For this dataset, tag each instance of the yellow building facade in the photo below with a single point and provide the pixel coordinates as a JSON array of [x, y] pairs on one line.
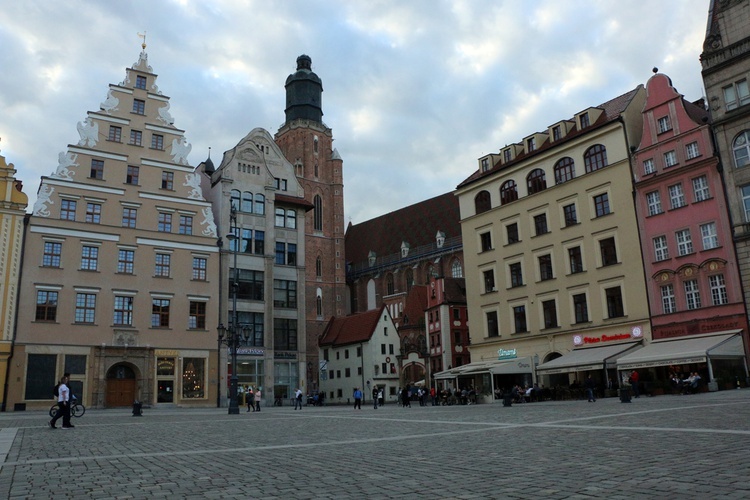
[[551, 242]]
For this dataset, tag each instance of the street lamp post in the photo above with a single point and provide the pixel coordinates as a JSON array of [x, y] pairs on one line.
[[234, 334]]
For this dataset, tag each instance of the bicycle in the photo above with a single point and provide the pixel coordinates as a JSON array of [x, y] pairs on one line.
[[76, 409]]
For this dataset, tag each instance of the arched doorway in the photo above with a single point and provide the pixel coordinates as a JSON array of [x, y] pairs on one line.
[[121, 386]]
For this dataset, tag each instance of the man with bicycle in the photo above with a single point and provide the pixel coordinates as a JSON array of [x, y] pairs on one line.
[[63, 400]]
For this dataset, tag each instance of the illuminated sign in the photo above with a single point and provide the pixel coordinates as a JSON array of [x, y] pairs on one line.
[[635, 333], [506, 353]]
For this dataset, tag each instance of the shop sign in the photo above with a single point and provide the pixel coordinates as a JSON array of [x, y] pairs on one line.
[[166, 352], [249, 351], [285, 355], [666, 362], [506, 354], [635, 333]]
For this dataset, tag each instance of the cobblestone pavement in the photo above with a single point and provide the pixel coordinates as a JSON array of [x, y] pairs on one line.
[[668, 447]]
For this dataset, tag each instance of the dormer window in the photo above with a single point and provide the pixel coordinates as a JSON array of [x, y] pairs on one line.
[[371, 258], [584, 119], [506, 155], [531, 144], [556, 134], [404, 249], [440, 239], [485, 164]]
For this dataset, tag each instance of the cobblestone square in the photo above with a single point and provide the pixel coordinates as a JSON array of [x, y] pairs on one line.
[[667, 447]]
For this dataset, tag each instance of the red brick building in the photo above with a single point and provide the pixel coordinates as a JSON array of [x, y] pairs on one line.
[[307, 143]]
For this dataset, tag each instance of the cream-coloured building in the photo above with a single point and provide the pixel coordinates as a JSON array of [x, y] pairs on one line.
[[269, 202], [13, 204], [120, 271], [551, 244], [726, 70]]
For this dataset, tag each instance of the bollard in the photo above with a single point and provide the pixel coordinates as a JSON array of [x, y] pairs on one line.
[[508, 399], [624, 395], [137, 409]]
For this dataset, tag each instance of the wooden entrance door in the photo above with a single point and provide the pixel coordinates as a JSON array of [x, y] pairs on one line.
[[120, 392]]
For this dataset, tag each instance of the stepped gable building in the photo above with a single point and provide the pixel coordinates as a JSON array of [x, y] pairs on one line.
[[447, 324], [691, 271], [389, 254], [548, 228], [359, 351], [307, 143], [13, 203], [726, 69], [257, 198], [120, 268]]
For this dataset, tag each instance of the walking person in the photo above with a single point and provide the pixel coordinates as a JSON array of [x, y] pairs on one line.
[[298, 399], [634, 377], [257, 399], [63, 401], [590, 386], [406, 396], [357, 398], [250, 398], [375, 397], [381, 398]]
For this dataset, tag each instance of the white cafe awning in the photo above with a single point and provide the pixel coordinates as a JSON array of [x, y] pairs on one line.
[[495, 367], [588, 358], [685, 350]]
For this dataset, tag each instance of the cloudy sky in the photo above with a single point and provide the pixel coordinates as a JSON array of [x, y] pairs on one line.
[[415, 91]]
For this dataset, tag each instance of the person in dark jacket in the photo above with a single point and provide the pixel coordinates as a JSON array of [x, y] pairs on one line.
[[590, 385]]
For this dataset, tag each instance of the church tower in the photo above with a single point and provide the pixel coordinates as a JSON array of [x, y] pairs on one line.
[[308, 144]]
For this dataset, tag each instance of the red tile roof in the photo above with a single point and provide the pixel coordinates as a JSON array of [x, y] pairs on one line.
[[416, 303], [350, 329], [455, 290], [416, 224], [612, 110]]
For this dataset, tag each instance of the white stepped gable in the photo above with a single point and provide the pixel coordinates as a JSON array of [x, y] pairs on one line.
[[164, 116], [208, 222], [88, 129], [180, 150], [43, 198], [64, 162], [110, 103], [193, 181]]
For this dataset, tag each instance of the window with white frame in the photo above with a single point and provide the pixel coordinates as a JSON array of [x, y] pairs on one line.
[[670, 159], [653, 199], [648, 166], [661, 249], [663, 124], [746, 201], [700, 188], [692, 294], [741, 149], [736, 95], [691, 150], [708, 235], [718, 290], [676, 196], [668, 303], [684, 242]]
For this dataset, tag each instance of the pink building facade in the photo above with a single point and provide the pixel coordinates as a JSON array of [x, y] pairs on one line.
[[689, 259]]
